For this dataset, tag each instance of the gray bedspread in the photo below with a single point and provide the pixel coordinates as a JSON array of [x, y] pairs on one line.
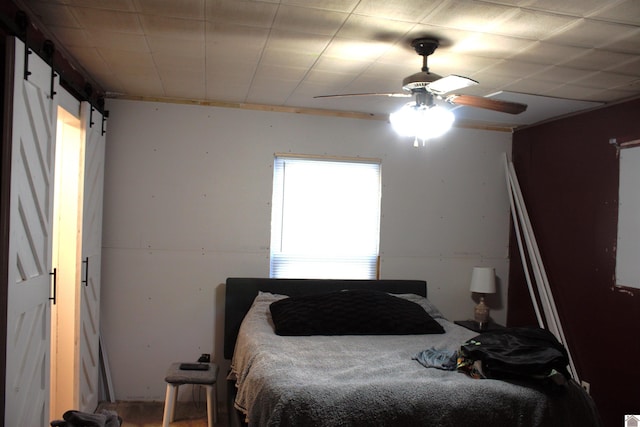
[[373, 381]]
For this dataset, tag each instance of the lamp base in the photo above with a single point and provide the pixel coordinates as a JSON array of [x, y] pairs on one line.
[[481, 314]]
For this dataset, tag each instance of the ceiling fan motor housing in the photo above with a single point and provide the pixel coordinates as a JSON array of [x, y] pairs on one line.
[[423, 47], [419, 80]]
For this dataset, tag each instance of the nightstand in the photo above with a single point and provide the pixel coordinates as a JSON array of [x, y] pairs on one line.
[[475, 326]]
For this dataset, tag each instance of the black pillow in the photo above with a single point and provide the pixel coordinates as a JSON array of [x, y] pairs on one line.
[[351, 312]]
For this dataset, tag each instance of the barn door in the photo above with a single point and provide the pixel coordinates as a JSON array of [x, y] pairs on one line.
[[29, 260], [91, 251]]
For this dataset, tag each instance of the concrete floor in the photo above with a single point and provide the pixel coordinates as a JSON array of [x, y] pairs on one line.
[[149, 414]]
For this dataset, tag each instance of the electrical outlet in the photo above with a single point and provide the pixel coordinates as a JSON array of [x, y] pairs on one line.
[[205, 358], [586, 386]]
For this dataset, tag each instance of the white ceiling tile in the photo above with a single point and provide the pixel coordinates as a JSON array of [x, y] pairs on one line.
[[179, 61], [334, 82], [590, 33], [514, 70], [91, 60], [534, 25], [265, 89], [399, 55], [170, 74], [606, 80], [613, 95], [368, 84], [337, 65], [231, 72], [54, 15], [183, 29], [516, 3], [530, 85], [570, 91], [577, 8], [561, 75], [625, 12], [278, 72], [108, 20], [240, 12], [335, 5], [293, 49], [631, 67], [469, 15], [75, 37], [388, 70], [297, 43], [360, 27], [349, 49], [625, 40], [122, 5], [130, 63], [184, 84], [144, 85], [548, 53], [401, 10], [237, 41], [191, 9], [598, 59], [280, 57], [220, 90], [491, 45], [118, 41], [177, 48], [308, 21]]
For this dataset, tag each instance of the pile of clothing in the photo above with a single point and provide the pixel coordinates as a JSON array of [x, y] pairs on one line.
[[530, 354], [74, 418]]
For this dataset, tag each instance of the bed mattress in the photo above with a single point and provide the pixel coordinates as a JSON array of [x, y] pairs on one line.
[[373, 380]]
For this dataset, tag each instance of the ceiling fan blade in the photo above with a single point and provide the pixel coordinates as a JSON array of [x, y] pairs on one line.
[[487, 103], [390, 94], [450, 83]]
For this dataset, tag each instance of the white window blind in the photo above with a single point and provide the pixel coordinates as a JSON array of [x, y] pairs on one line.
[[325, 221]]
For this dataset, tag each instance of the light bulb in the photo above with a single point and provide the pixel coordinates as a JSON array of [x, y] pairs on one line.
[[420, 121]]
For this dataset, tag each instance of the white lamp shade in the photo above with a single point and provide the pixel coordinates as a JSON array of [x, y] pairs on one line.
[[483, 280], [421, 121]]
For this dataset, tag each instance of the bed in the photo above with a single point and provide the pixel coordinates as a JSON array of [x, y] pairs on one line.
[[369, 380]]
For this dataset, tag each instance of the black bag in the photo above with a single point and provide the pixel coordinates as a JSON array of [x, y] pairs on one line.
[[517, 353]]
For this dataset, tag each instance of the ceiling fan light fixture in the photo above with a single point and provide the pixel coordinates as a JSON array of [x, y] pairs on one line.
[[421, 121]]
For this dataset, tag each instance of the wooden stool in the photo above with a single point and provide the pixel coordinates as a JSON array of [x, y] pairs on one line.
[[176, 377]]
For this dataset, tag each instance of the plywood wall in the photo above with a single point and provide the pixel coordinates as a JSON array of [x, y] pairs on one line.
[[187, 204]]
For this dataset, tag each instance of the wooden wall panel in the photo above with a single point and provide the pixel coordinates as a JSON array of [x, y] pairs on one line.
[[568, 171]]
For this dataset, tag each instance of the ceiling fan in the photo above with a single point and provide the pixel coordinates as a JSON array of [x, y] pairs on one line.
[[427, 86]]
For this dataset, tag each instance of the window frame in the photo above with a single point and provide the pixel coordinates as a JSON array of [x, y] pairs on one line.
[[282, 263]]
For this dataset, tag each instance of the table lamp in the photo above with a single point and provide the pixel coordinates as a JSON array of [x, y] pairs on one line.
[[483, 281]]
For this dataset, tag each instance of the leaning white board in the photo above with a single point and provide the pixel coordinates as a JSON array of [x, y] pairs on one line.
[[628, 248]]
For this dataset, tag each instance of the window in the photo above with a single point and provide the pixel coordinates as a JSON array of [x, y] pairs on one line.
[[325, 220], [628, 246]]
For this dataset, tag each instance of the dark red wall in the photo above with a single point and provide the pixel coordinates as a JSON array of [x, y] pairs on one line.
[[568, 173]]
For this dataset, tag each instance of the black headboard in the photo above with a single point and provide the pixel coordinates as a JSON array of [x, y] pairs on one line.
[[240, 293]]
